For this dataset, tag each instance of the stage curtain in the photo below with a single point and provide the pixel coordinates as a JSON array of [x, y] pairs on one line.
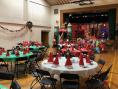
[[112, 23]]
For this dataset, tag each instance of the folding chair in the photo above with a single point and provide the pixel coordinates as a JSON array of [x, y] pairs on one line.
[[20, 66], [33, 66], [69, 81], [3, 64], [101, 64], [9, 76], [15, 85], [98, 81], [46, 79]]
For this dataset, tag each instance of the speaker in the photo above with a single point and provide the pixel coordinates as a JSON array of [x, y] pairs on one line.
[[55, 11]]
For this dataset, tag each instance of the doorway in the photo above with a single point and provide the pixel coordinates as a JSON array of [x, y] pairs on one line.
[[45, 38]]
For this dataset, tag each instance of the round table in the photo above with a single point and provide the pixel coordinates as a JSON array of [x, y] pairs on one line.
[[84, 71], [12, 57], [37, 47]]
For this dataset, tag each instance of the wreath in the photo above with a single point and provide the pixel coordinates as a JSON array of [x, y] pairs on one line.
[[29, 25]]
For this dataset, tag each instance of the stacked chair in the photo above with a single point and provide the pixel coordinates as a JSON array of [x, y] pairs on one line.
[[4, 64], [35, 64], [9, 76], [20, 66]]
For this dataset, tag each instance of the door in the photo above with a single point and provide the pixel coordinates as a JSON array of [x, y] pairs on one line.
[[45, 38]]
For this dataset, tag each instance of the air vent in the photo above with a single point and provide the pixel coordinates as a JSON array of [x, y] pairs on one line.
[[55, 11]]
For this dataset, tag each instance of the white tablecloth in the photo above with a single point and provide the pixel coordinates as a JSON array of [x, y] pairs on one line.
[[83, 71]]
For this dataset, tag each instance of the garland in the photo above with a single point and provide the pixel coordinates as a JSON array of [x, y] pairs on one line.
[[29, 25]]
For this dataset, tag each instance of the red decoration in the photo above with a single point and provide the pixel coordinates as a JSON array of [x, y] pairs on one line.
[[17, 53], [50, 57], [102, 46], [0, 52], [56, 61], [68, 62], [54, 41], [88, 59], [59, 54], [27, 50], [63, 30], [40, 44], [72, 48], [37, 44], [3, 50], [61, 41], [24, 52], [81, 62], [7, 54]]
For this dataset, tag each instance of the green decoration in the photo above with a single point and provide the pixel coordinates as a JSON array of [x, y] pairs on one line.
[[56, 34], [69, 28]]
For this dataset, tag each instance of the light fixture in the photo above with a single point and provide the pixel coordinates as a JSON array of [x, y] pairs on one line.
[[82, 2]]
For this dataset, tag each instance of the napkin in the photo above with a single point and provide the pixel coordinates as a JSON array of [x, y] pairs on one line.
[[72, 48], [0, 52], [50, 57], [88, 59], [27, 50], [3, 50], [68, 61], [17, 53], [24, 52], [56, 61], [7, 54], [81, 62], [59, 54]]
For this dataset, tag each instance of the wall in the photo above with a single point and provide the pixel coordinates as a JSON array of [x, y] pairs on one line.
[[11, 10], [40, 14], [15, 13]]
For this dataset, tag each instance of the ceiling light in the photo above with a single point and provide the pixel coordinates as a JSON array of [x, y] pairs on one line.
[[82, 2]]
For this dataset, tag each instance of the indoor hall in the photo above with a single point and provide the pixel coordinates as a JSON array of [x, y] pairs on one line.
[[58, 44]]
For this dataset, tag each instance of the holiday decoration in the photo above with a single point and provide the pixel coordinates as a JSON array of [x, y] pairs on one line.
[[68, 61], [56, 61], [50, 57], [81, 62], [7, 54], [0, 52], [24, 52], [29, 25], [17, 53], [88, 59]]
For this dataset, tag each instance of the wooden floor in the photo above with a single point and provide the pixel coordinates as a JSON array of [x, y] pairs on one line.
[[111, 57]]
